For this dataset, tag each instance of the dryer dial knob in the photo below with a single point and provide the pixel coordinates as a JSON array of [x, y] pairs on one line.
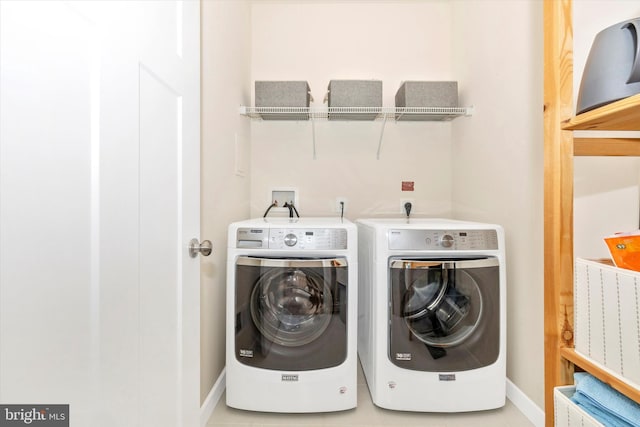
[[290, 240], [447, 240]]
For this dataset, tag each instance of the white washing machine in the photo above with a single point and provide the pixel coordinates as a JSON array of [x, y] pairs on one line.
[[291, 315], [432, 298]]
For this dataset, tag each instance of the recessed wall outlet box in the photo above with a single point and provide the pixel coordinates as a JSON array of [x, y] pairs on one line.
[[281, 196], [426, 94], [283, 94], [355, 93]]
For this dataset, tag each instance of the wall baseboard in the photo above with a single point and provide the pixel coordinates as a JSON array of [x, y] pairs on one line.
[[213, 398], [525, 405]]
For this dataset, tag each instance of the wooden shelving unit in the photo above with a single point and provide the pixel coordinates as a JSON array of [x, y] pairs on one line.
[[559, 149]]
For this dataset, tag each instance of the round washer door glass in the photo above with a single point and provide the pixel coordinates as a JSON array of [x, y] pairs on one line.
[[291, 307], [445, 315], [441, 307]]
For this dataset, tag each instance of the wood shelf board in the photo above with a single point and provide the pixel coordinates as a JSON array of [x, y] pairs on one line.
[[620, 115], [603, 375], [606, 146]]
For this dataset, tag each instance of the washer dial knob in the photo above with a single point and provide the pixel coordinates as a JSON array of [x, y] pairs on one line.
[[290, 240], [447, 240]]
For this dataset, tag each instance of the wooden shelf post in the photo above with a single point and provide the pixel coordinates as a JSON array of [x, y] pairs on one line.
[[558, 199]]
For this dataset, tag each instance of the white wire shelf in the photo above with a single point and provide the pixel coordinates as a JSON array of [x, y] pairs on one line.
[[357, 113]]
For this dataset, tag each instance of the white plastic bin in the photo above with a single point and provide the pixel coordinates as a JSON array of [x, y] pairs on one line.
[[567, 413], [606, 317]]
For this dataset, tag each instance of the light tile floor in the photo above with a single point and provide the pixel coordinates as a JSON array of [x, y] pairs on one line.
[[368, 415]]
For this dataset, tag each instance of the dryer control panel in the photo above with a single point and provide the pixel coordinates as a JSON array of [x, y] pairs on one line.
[[459, 240], [292, 238]]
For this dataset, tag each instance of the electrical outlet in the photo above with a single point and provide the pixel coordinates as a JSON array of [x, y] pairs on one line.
[[403, 201], [341, 205]]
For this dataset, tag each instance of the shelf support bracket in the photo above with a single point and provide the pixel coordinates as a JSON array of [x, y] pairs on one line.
[[384, 122]]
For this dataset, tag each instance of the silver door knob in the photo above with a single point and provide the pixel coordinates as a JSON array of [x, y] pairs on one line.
[[204, 248]]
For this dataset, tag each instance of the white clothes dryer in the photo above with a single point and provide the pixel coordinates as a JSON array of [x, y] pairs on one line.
[[291, 315], [432, 298]]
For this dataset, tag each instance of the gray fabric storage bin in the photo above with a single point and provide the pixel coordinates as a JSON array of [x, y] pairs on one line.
[[426, 94], [282, 94], [355, 93]]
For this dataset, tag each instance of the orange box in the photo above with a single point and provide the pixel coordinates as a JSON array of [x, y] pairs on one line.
[[625, 249]]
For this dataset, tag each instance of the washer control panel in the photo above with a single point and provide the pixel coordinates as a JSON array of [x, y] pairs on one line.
[[292, 238], [458, 240]]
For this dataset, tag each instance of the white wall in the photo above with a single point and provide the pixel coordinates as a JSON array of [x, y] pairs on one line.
[[487, 167], [226, 29], [319, 41], [606, 189], [498, 158]]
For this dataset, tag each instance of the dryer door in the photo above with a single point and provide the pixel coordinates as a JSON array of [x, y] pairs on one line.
[[291, 313], [444, 313]]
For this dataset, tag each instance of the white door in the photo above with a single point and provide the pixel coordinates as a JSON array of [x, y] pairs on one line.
[[99, 198]]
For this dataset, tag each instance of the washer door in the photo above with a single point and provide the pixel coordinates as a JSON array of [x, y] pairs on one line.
[[444, 313], [291, 313], [439, 308], [291, 306]]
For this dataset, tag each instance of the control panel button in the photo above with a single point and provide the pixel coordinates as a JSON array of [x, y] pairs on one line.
[[290, 239], [447, 240]]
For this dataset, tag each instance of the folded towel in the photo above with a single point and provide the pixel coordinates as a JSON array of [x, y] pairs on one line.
[[602, 416], [605, 404]]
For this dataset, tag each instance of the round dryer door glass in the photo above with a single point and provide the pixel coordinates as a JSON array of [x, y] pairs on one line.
[[291, 307], [442, 305]]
